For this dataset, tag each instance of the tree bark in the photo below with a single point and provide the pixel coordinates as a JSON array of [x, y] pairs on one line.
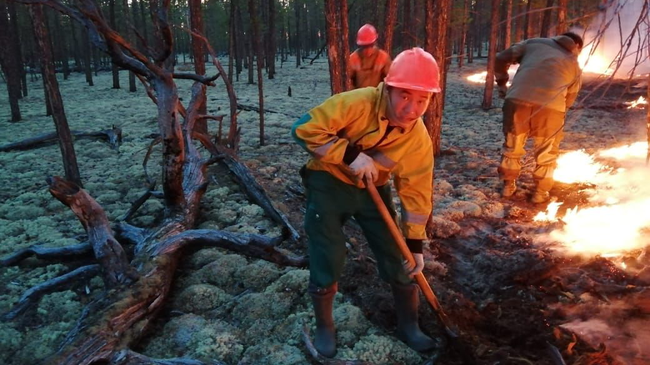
[[463, 34], [198, 52], [508, 28], [345, 43], [527, 21], [232, 39], [332, 19], [406, 21], [297, 38], [519, 27], [63, 45], [14, 43], [131, 38], [85, 41], [8, 63], [438, 16], [546, 21], [492, 51], [390, 16], [271, 47], [52, 86], [561, 17], [115, 69], [255, 23]]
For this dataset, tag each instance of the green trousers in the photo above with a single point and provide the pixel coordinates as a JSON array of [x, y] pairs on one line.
[[330, 203]]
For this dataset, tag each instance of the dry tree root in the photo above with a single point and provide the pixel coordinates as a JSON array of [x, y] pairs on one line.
[[48, 253], [31, 296], [113, 136], [256, 193]]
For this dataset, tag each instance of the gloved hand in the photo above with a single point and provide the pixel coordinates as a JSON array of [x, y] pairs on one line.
[[503, 89], [412, 270], [364, 167]]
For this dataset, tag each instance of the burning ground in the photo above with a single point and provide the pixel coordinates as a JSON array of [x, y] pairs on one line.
[[517, 287]]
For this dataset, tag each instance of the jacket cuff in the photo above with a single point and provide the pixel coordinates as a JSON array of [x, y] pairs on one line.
[[414, 245], [351, 153]]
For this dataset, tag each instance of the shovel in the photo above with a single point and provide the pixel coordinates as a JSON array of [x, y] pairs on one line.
[[451, 331]]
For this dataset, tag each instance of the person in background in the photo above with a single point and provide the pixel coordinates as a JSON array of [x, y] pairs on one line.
[[543, 89], [368, 65]]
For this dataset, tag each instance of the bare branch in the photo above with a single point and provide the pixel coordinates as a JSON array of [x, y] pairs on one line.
[[34, 294], [128, 357], [48, 253], [252, 244], [196, 77]]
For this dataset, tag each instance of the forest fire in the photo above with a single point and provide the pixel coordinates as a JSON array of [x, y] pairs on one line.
[[619, 199], [638, 103], [592, 61]]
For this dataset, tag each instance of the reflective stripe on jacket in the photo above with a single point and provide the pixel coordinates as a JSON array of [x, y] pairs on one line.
[[358, 118]]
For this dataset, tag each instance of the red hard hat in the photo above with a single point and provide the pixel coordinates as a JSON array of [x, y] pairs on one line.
[[366, 35], [414, 69]]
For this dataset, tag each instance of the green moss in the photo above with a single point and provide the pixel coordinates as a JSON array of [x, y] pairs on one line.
[[221, 270], [257, 275], [251, 308], [273, 353], [63, 306], [201, 297]]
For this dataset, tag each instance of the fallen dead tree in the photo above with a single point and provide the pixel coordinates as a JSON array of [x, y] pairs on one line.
[[113, 136], [138, 284]]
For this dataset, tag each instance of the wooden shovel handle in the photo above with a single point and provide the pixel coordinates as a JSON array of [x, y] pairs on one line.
[[401, 244]]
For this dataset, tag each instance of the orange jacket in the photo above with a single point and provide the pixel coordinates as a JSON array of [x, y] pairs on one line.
[[368, 71], [358, 118]]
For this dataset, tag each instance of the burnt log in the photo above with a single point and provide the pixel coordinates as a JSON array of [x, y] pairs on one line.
[[113, 136], [48, 253]]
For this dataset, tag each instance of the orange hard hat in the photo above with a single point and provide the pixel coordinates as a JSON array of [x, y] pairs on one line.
[[367, 35], [414, 69]]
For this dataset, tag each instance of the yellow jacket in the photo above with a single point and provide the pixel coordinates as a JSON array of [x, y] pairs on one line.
[[357, 119]]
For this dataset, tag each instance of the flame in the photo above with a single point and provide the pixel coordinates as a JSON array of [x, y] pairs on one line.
[[479, 77], [594, 62], [617, 219], [640, 101], [550, 214]]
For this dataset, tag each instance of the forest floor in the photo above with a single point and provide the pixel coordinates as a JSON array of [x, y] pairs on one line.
[[515, 299]]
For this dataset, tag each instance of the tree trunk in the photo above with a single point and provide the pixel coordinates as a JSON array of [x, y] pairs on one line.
[[337, 83], [438, 16], [561, 17], [52, 86], [75, 47], [390, 17], [546, 21], [9, 65], [130, 38], [198, 52], [272, 48], [85, 41], [406, 21], [297, 38], [519, 27], [345, 43], [489, 79], [232, 39], [463, 34], [255, 24], [508, 27], [527, 21], [63, 45], [241, 42], [14, 43], [115, 69], [250, 58]]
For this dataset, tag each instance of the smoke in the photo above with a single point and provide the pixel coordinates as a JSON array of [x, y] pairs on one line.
[[617, 39]]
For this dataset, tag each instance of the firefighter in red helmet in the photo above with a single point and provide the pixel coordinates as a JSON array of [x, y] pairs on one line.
[[368, 65]]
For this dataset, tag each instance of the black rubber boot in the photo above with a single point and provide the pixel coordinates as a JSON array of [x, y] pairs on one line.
[[323, 299], [406, 306]]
